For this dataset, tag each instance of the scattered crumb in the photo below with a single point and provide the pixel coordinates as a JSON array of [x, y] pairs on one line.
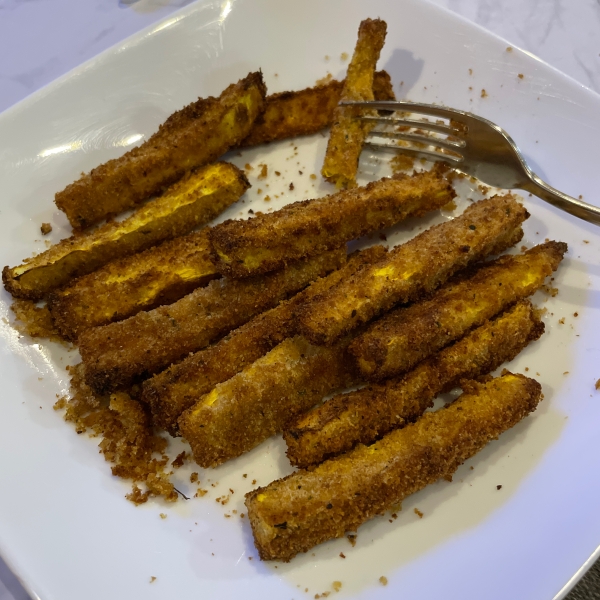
[[383, 580], [178, 461], [263, 171], [337, 585], [586, 241], [484, 94], [254, 482], [327, 57], [470, 71], [449, 206], [566, 373], [248, 167], [575, 314], [344, 56], [34, 321], [418, 512], [520, 75], [200, 493], [401, 162], [46, 228], [509, 49], [342, 555], [194, 477], [325, 80], [562, 321], [242, 515], [152, 579], [498, 487], [277, 173], [313, 176], [267, 198], [351, 538], [598, 384], [163, 516], [245, 475], [291, 186]]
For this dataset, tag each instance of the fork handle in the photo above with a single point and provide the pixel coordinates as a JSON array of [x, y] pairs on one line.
[[575, 207]]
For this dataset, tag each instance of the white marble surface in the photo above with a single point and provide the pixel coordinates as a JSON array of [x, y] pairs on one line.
[[41, 40]]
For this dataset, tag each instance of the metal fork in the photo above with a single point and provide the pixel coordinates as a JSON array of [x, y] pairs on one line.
[[471, 144]]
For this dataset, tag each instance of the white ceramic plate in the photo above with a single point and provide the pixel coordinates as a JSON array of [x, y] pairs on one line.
[[65, 527]]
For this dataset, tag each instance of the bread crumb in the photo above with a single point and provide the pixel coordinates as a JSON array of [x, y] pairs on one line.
[[562, 321], [325, 80], [520, 75], [200, 493], [344, 56], [575, 314], [248, 167], [263, 171], [498, 487], [337, 585], [598, 384], [342, 555], [566, 373], [484, 94], [163, 516], [267, 198], [254, 482], [313, 176], [152, 579], [402, 162], [470, 71], [418, 512], [509, 49], [383, 580], [178, 461], [194, 477], [46, 228]]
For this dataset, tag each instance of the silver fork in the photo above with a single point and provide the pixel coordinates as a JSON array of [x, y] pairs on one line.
[[471, 144]]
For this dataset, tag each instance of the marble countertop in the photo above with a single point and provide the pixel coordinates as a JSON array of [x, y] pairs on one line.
[[41, 40]]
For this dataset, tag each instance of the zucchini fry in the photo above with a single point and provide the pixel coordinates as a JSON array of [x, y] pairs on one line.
[[414, 269], [367, 414], [118, 354], [193, 201], [258, 402], [400, 339], [348, 133], [196, 135], [310, 227], [178, 388], [291, 114], [122, 288], [295, 513]]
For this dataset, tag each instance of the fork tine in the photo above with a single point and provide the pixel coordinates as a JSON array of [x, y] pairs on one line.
[[417, 124], [421, 139], [412, 107], [419, 152]]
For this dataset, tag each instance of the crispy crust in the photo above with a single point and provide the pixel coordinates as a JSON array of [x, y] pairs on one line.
[[367, 414], [309, 227], [194, 136], [295, 513], [193, 201], [122, 288], [178, 388], [414, 269], [258, 402], [348, 133], [117, 354], [400, 339], [291, 114]]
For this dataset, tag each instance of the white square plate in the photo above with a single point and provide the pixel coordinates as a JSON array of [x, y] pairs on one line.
[[65, 527]]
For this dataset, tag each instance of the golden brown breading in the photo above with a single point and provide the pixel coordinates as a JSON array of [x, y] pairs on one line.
[[194, 136], [193, 201], [291, 114], [348, 133], [413, 269], [115, 355], [258, 402], [365, 415], [178, 388], [295, 513], [402, 338], [310, 227], [120, 289]]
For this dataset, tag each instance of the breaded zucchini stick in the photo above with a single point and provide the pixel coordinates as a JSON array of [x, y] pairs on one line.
[[117, 354], [295, 513], [124, 287], [400, 339], [196, 135], [413, 269], [348, 133], [365, 415], [193, 201], [291, 114], [258, 402], [309, 227], [178, 388]]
